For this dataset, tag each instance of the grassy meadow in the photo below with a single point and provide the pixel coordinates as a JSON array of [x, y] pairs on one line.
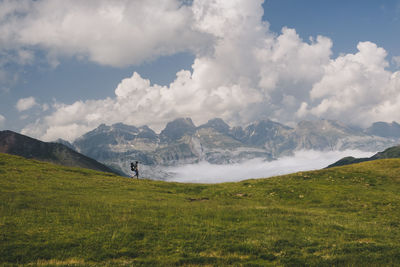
[[59, 216]]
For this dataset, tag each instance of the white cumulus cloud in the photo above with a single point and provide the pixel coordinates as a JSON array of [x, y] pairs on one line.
[[116, 33], [24, 104], [237, 79], [243, 72], [357, 87]]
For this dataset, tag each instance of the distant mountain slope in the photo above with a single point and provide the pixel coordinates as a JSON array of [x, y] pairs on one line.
[[384, 129], [391, 152], [21, 145], [179, 143], [65, 143], [182, 142]]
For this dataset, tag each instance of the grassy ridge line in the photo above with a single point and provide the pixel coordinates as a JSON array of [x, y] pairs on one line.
[[53, 215]]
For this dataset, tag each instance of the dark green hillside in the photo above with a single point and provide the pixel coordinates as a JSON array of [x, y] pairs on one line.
[[58, 216], [389, 153], [21, 145], [348, 161]]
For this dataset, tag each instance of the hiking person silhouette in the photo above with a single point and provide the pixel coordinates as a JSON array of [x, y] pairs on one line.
[[134, 168]]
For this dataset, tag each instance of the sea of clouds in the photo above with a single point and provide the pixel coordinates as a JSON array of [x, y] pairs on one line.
[[205, 172]]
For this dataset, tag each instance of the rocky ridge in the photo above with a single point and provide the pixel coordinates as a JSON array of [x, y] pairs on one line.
[[182, 142]]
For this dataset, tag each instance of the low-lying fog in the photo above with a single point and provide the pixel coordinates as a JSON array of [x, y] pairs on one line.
[[205, 172]]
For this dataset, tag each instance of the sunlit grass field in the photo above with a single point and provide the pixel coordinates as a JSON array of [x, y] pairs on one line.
[[58, 216]]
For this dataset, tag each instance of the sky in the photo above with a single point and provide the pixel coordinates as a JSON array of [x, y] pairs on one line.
[[68, 66]]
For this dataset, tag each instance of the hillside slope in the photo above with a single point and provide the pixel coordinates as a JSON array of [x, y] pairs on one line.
[[59, 216], [21, 145], [389, 153]]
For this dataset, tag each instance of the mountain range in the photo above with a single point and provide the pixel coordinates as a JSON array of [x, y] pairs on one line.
[[182, 142]]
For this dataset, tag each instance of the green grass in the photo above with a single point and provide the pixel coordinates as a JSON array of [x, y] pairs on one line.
[[57, 216]]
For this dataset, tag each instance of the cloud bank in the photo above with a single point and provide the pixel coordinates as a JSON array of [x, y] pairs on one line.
[[116, 33], [242, 70], [301, 161]]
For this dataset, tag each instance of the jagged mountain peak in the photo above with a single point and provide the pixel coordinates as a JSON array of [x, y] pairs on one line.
[[124, 127], [384, 129], [145, 128], [217, 124], [118, 127], [325, 126], [177, 128], [265, 124], [182, 121], [263, 131], [319, 123], [102, 128], [65, 143], [103, 141]]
